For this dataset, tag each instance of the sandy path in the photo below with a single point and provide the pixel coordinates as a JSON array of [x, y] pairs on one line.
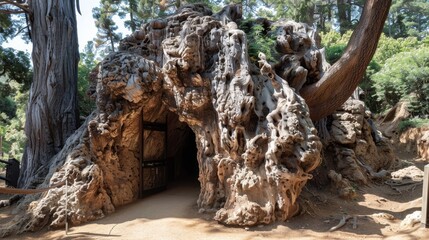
[[173, 214]]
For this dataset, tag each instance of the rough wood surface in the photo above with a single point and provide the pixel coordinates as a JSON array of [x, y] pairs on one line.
[[52, 112], [353, 150]]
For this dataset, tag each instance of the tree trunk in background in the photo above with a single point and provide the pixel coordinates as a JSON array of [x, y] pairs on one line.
[[342, 15], [133, 7], [310, 15], [52, 114]]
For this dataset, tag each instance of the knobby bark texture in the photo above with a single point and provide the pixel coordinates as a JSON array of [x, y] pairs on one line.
[[52, 113], [354, 151], [257, 145]]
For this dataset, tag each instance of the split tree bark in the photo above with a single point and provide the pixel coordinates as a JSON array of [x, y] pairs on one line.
[[52, 113]]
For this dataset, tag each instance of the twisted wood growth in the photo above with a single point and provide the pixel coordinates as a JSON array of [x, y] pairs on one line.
[[353, 153], [256, 142]]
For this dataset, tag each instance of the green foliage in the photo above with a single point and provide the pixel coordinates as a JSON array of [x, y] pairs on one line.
[[408, 18], [413, 123], [15, 65], [296, 10], [15, 135], [7, 107], [86, 64], [367, 86], [15, 79], [130, 7], [334, 53], [259, 40], [6, 29], [334, 44], [335, 38], [379, 95], [12, 128], [387, 47], [405, 76]]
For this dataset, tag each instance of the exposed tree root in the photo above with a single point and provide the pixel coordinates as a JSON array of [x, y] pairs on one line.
[[373, 174], [342, 222]]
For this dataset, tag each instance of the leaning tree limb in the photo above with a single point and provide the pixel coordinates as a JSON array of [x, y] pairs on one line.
[[339, 82]]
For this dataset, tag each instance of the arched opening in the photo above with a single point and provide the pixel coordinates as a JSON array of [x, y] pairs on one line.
[[169, 155]]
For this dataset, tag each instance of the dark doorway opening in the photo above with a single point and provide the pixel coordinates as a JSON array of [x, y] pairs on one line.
[[182, 152], [169, 155]]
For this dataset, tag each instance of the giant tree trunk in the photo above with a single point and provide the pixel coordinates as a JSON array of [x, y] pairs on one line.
[[52, 113]]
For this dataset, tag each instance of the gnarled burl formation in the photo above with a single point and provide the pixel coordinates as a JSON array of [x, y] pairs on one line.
[[354, 150], [256, 143]]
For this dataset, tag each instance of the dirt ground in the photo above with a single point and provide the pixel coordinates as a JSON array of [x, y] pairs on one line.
[[376, 213]]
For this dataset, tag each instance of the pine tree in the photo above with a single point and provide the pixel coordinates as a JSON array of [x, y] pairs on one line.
[[106, 36], [408, 18]]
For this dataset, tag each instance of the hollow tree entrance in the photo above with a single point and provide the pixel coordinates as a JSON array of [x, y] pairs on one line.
[[169, 154]]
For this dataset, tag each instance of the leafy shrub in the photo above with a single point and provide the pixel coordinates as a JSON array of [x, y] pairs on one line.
[[388, 47], [332, 38], [393, 84], [413, 123], [7, 106], [12, 128], [334, 52], [259, 39], [405, 76]]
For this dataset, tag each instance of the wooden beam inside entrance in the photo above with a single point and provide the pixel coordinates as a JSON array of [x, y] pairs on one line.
[[154, 169]]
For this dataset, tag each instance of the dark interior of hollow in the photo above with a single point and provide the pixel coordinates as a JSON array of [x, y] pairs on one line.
[[169, 155], [183, 164]]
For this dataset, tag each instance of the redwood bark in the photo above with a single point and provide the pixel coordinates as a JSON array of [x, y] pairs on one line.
[[52, 113], [339, 82]]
